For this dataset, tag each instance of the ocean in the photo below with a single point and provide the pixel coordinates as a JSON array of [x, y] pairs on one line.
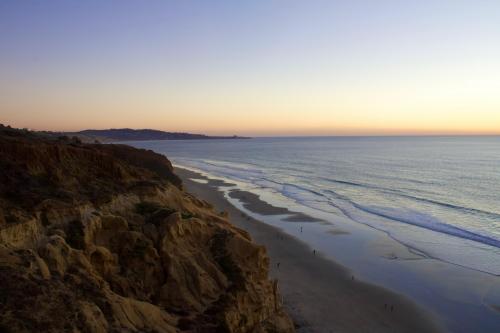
[[417, 215], [437, 195]]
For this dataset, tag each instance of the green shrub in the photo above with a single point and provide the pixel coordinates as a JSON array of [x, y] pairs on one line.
[[186, 215], [159, 215], [147, 207]]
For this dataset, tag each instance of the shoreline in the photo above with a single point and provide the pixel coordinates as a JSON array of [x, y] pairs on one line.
[[319, 294]]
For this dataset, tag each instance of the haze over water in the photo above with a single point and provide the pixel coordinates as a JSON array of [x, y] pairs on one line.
[[438, 195]]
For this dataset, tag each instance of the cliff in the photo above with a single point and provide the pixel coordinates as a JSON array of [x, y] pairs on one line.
[[102, 238]]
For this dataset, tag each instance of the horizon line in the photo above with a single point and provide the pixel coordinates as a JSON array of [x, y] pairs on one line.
[[289, 135]]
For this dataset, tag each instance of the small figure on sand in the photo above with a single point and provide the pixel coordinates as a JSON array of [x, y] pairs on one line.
[[300, 229], [352, 277], [278, 265], [392, 307], [314, 252]]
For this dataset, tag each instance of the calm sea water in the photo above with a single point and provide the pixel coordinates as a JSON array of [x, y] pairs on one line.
[[437, 195]]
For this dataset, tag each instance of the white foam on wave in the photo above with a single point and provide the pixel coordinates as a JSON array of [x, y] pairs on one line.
[[410, 227], [426, 221], [428, 235], [236, 171]]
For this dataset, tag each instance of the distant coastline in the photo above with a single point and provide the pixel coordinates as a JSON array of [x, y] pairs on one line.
[[128, 134]]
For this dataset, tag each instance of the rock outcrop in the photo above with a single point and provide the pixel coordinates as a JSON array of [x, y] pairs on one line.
[[102, 238]]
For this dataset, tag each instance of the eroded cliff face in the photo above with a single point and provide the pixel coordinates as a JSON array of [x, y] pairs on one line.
[[101, 238]]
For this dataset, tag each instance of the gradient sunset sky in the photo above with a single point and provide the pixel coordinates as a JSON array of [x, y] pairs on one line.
[[252, 67]]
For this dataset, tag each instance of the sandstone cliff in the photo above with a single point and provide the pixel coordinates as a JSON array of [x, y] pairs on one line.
[[102, 238]]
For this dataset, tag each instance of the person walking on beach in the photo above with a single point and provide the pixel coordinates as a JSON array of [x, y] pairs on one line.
[[278, 265], [314, 252], [300, 229]]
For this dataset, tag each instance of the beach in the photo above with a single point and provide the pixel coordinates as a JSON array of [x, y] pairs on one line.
[[319, 294]]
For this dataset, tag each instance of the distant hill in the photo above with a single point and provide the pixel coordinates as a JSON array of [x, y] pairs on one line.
[[128, 134]]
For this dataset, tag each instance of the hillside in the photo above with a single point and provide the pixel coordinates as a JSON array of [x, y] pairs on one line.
[[127, 134], [102, 238]]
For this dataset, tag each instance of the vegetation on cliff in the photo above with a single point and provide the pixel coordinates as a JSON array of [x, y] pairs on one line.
[[102, 238]]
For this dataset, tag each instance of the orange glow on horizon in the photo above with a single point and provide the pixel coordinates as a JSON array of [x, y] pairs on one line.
[[297, 70]]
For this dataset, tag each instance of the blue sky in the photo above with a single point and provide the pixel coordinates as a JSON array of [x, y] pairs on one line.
[[252, 67]]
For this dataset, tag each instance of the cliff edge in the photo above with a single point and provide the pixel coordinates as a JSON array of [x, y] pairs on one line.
[[102, 238]]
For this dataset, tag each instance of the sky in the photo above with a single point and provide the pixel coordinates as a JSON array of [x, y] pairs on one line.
[[283, 67]]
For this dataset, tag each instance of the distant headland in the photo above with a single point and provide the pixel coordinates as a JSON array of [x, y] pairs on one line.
[[128, 134]]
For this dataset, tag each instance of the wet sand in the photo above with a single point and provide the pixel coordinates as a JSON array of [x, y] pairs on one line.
[[319, 294], [253, 203]]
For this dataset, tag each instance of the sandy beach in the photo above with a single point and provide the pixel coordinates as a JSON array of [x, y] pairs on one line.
[[319, 294]]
